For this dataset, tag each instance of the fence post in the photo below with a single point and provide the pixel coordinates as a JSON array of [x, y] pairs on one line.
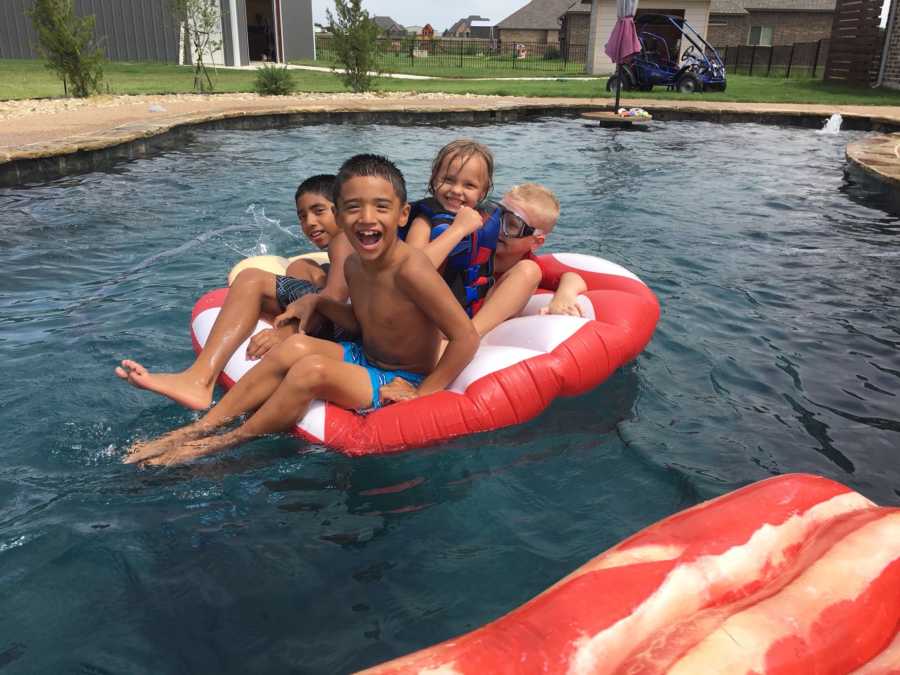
[[737, 60], [816, 60], [790, 61], [752, 59], [460, 53], [771, 53]]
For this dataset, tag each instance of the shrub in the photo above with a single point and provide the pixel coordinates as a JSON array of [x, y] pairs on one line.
[[354, 38], [273, 81], [551, 53], [67, 42], [202, 21]]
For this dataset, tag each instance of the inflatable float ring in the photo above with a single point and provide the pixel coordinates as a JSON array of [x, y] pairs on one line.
[[520, 368]]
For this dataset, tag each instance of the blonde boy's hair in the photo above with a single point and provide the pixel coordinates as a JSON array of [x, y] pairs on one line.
[[463, 149], [539, 197]]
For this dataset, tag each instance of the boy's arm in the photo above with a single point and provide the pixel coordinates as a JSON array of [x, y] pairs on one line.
[[419, 233], [336, 285], [306, 308], [565, 299], [424, 286]]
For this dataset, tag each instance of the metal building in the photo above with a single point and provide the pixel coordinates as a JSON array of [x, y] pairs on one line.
[[146, 30]]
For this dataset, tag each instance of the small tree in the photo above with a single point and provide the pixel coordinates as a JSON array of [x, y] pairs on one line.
[[67, 42], [202, 23], [355, 43]]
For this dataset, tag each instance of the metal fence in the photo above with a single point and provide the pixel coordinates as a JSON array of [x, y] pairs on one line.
[[803, 59], [405, 53]]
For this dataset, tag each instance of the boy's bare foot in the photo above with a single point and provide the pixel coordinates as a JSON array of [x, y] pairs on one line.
[[182, 387], [185, 452]]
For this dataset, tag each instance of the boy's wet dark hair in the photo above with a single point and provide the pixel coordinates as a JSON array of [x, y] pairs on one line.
[[371, 165], [321, 184]]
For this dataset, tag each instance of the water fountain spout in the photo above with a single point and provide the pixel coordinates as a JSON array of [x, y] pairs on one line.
[[832, 125]]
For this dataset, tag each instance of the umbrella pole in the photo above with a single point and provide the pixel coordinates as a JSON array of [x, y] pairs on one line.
[[618, 86]]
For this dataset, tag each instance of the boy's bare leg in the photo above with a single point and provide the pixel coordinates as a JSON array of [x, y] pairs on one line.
[[251, 294], [248, 394], [508, 297], [313, 377]]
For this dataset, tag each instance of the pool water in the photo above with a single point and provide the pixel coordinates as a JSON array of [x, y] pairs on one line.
[[778, 350]]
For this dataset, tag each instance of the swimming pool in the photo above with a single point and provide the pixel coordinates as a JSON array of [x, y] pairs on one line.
[[777, 351]]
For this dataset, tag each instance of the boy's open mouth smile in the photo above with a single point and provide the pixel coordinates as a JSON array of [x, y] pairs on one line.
[[317, 234], [369, 238]]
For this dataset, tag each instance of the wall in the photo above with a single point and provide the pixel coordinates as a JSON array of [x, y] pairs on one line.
[[297, 29], [508, 35], [577, 28], [603, 18], [134, 30], [891, 78]]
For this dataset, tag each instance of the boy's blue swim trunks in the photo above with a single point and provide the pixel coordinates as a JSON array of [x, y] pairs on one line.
[[353, 353]]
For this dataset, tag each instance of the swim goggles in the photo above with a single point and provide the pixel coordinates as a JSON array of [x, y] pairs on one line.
[[513, 225]]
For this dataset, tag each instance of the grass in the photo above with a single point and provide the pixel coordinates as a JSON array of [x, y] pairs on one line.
[[452, 66], [21, 79]]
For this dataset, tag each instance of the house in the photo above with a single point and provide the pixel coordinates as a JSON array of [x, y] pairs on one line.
[[388, 27], [593, 20], [145, 30], [465, 28], [769, 22], [538, 22]]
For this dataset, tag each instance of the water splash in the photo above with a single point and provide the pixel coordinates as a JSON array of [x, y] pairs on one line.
[[264, 227], [832, 125]]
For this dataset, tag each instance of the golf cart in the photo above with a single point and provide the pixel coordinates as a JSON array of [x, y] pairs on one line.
[[660, 35]]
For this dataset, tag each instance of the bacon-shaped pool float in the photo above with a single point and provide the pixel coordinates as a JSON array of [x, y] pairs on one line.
[[795, 574], [520, 367]]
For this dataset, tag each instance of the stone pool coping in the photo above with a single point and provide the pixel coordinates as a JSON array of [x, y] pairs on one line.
[[44, 139]]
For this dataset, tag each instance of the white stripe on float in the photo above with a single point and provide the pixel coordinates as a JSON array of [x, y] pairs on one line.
[[313, 422], [590, 263], [842, 574], [489, 359], [238, 365], [538, 333], [541, 300], [681, 593]]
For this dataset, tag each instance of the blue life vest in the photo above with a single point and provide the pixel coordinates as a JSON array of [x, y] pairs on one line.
[[469, 269]]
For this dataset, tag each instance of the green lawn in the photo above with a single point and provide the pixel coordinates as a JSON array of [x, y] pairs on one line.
[[452, 66], [29, 79]]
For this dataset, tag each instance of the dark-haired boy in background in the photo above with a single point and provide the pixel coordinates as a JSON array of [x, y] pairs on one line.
[[254, 293], [400, 306]]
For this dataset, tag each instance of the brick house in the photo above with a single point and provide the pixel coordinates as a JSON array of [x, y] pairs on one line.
[[465, 28], [538, 22], [769, 22]]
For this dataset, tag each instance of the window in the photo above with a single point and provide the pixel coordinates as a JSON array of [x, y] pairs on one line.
[[760, 35]]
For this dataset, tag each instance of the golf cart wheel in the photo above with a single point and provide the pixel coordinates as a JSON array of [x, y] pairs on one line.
[[611, 83], [689, 84]]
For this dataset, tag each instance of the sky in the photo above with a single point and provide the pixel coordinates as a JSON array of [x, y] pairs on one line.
[[443, 15]]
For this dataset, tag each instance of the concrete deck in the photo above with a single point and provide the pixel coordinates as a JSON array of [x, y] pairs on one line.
[[44, 139]]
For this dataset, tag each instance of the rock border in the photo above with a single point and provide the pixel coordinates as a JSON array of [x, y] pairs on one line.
[[102, 149]]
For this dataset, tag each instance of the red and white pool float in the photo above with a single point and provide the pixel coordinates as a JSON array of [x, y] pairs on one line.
[[792, 575], [520, 367]]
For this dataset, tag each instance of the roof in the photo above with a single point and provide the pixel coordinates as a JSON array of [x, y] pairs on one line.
[[579, 7], [537, 15], [746, 6], [387, 23]]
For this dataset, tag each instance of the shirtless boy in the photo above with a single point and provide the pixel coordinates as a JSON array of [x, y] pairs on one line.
[[254, 293], [399, 308]]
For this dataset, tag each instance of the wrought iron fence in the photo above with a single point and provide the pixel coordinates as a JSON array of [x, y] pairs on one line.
[[405, 53], [803, 59]]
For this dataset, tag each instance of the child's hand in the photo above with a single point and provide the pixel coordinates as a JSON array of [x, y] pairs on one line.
[[398, 389], [265, 340], [567, 306], [468, 220], [301, 309]]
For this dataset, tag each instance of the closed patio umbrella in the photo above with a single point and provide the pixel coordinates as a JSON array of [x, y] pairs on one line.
[[623, 41]]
